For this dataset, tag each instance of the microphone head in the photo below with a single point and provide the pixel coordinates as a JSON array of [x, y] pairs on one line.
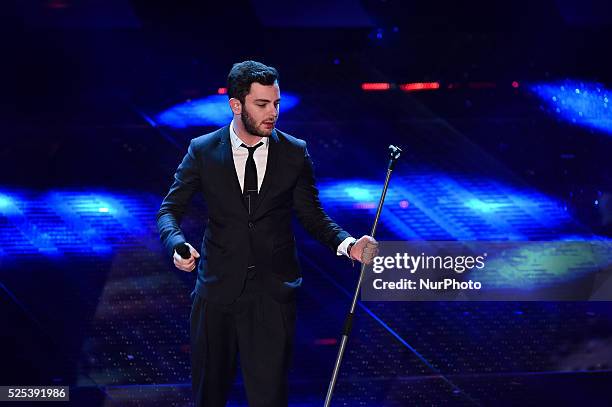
[[394, 152], [394, 155], [183, 250]]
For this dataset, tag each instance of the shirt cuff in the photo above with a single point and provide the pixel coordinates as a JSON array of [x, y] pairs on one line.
[[343, 247]]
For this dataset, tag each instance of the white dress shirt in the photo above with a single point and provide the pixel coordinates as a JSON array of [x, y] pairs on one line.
[[260, 156]]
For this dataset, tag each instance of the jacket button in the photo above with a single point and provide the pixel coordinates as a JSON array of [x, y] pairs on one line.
[[251, 225]]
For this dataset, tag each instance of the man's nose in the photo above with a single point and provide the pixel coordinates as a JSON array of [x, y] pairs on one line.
[[272, 111]]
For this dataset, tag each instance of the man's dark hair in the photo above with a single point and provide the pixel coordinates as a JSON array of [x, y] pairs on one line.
[[243, 74]]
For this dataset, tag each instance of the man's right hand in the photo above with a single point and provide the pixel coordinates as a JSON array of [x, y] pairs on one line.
[[189, 264]]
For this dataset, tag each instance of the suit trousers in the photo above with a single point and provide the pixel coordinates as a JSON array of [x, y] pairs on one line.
[[256, 327]]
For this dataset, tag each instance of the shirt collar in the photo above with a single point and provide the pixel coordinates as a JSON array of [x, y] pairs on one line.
[[236, 142]]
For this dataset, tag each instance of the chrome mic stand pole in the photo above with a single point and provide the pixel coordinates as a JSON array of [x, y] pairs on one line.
[[394, 154]]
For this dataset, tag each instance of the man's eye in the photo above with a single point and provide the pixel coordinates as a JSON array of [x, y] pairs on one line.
[[260, 105]]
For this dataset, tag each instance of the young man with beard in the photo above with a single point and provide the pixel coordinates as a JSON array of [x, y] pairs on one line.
[[253, 178]]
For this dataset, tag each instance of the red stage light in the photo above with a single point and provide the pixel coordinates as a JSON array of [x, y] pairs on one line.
[[375, 86], [222, 91], [515, 84], [410, 87]]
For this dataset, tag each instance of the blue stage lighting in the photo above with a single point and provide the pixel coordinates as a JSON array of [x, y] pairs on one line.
[[437, 206], [359, 193], [56, 223], [484, 207], [583, 103], [6, 203]]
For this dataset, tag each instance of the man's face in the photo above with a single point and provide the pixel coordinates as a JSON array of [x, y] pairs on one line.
[[260, 109]]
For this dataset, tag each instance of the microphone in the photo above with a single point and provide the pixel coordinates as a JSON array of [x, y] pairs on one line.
[[394, 155], [183, 250]]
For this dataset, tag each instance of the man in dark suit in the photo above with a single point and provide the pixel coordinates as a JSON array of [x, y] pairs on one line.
[[253, 178]]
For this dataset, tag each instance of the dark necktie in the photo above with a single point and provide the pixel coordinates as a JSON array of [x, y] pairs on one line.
[[250, 177]]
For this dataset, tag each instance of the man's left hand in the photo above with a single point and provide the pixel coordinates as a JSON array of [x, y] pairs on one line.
[[365, 249]]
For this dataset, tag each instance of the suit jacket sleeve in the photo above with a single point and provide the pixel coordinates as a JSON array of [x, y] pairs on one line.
[[309, 211], [186, 182]]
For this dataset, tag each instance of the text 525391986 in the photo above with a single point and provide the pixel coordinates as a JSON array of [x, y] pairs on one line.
[[34, 393]]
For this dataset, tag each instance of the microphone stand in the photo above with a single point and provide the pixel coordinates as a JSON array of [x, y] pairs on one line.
[[394, 154]]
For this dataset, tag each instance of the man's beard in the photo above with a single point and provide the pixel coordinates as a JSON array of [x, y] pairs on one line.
[[250, 125]]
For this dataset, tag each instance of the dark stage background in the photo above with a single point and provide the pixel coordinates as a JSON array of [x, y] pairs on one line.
[[501, 107]]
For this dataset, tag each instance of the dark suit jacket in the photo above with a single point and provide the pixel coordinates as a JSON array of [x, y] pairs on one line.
[[232, 236]]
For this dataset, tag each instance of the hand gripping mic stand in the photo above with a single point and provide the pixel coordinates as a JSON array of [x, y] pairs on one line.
[[394, 154]]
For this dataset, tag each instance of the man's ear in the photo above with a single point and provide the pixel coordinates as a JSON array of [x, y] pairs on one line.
[[235, 105]]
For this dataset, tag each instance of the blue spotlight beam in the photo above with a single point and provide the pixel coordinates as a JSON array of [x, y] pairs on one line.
[[33, 236], [438, 206], [582, 103]]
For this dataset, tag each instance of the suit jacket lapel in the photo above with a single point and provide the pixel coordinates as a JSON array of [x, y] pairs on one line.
[[273, 153]]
